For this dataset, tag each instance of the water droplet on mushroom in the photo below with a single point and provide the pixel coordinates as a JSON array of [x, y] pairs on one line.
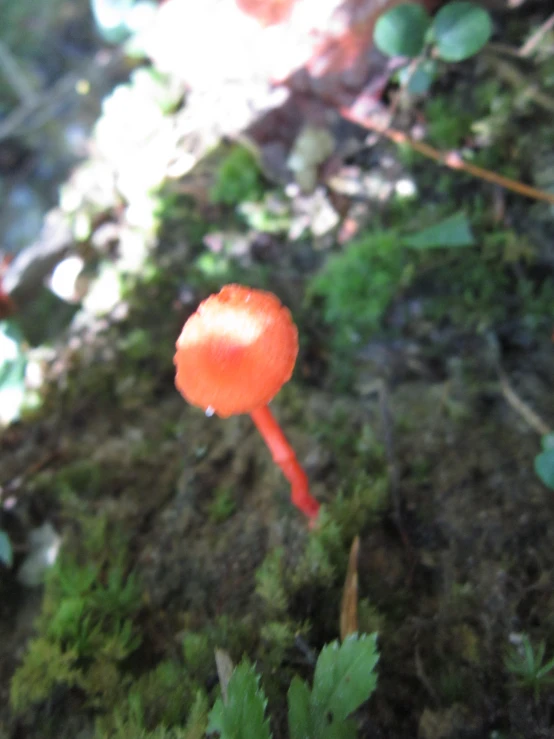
[[210, 411]]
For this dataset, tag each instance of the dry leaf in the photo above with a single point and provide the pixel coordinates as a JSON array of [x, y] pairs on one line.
[[349, 605], [225, 668]]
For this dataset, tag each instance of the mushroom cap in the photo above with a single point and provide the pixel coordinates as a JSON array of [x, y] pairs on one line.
[[235, 353]]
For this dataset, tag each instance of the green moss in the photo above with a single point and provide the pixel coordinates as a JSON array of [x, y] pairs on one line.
[[277, 637], [82, 476], [370, 619], [361, 504], [269, 582], [480, 288], [165, 694], [198, 654], [222, 506], [105, 684], [454, 684], [86, 625], [357, 285], [180, 218], [448, 121], [324, 556], [46, 666], [132, 725], [238, 178], [223, 632]]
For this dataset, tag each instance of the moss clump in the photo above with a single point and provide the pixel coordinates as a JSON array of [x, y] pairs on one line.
[[132, 724], [448, 121], [86, 628], [164, 694], [358, 284], [486, 287], [222, 506], [46, 666], [269, 582], [355, 288], [237, 178]]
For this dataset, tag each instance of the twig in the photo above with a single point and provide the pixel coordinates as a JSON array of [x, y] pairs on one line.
[[42, 107], [15, 76], [424, 680], [497, 47], [527, 413], [19, 119], [450, 159], [529, 46]]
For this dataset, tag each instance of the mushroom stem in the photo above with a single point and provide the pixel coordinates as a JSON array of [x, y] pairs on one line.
[[283, 455]]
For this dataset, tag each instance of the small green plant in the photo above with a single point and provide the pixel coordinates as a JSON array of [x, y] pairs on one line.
[[526, 662], [344, 678], [238, 178], [544, 462], [457, 32]]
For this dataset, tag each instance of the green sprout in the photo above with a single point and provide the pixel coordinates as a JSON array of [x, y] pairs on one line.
[[526, 662]]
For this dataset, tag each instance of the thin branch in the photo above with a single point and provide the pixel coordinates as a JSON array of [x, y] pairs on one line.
[[529, 46], [527, 413], [450, 159], [43, 106], [15, 76]]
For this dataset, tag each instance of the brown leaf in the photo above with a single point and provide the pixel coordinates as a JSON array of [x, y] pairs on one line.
[[225, 668], [349, 605]]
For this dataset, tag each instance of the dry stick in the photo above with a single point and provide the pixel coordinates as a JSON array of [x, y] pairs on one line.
[[39, 110], [529, 46], [528, 414], [15, 76], [449, 158]]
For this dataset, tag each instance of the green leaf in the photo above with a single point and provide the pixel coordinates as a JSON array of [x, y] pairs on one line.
[[6, 552], [300, 725], [401, 31], [344, 676], [547, 441], [418, 81], [544, 467], [215, 718], [242, 717], [461, 29], [453, 231]]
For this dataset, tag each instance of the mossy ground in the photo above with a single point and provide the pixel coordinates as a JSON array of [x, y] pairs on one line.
[[177, 533]]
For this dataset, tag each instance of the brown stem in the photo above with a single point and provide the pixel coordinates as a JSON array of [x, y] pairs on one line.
[[284, 456], [449, 158]]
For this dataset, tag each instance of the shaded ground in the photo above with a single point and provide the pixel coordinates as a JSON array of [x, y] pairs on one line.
[[470, 566]]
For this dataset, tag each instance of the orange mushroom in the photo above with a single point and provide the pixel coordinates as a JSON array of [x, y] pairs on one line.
[[233, 356]]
